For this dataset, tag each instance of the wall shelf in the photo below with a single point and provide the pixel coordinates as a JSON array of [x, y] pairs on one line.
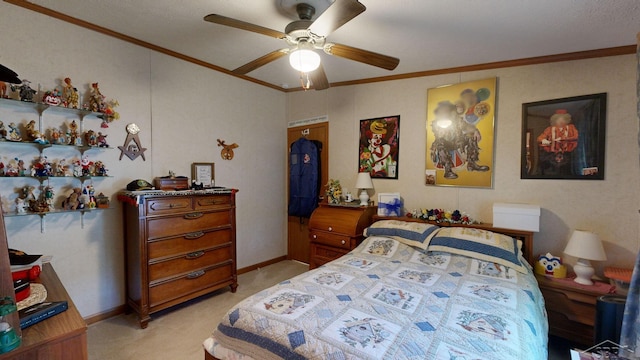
[[43, 214]]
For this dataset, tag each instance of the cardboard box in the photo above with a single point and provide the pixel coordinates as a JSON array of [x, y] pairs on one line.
[[390, 204], [516, 216]]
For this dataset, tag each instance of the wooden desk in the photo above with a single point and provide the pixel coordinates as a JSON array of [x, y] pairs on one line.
[[61, 337]]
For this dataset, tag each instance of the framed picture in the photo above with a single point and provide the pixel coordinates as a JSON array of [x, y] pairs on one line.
[[564, 138], [460, 134], [203, 173], [379, 147]]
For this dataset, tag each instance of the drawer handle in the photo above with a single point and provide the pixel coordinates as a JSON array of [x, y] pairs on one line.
[[194, 255], [315, 236], [330, 228], [343, 242], [193, 216], [195, 274], [194, 235]]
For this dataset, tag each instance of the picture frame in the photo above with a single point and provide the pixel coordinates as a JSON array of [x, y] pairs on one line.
[[460, 127], [203, 173], [564, 139], [379, 147]]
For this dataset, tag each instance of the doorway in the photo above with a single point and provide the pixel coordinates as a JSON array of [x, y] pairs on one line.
[[298, 228]]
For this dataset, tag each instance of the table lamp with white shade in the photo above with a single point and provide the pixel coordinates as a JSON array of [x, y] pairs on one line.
[[364, 183], [585, 246]]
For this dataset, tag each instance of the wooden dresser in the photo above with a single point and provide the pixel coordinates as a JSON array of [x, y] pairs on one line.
[[335, 230], [179, 245], [571, 309]]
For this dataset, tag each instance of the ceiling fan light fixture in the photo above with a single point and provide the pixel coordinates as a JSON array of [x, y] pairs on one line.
[[304, 60]]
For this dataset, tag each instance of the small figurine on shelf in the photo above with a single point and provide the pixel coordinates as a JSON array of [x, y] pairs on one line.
[[52, 97], [102, 201], [102, 140], [62, 169], [12, 170], [73, 138], [86, 166], [96, 99], [99, 169], [90, 138], [1, 168], [73, 201], [77, 168], [56, 137], [89, 197], [35, 135], [22, 170], [109, 113], [21, 206], [3, 131], [48, 197], [14, 133], [69, 94], [25, 91], [41, 167], [27, 194], [3, 90]]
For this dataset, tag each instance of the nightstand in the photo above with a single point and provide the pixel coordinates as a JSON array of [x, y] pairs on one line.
[[334, 230], [571, 307]]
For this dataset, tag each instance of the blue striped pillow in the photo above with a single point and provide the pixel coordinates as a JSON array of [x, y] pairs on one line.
[[480, 244], [410, 233]]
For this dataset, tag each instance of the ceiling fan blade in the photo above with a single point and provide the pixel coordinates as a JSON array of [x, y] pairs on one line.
[[363, 56], [319, 78], [336, 15], [261, 61], [238, 24]]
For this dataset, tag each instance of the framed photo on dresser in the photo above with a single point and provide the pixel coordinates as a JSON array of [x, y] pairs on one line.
[[203, 173]]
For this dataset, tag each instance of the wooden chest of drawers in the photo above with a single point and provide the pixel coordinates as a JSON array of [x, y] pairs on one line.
[[336, 230], [178, 248]]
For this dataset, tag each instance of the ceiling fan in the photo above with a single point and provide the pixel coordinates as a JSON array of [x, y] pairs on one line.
[[305, 36]]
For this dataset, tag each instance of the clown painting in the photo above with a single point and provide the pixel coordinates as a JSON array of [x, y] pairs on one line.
[[564, 138], [460, 129], [379, 146]]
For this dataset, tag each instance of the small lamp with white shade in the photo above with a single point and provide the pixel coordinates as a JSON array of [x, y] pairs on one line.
[[585, 246], [364, 183]]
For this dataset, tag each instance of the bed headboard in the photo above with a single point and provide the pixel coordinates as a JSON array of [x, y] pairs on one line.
[[525, 236]]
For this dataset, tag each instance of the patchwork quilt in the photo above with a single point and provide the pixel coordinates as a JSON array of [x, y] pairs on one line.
[[387, 300]]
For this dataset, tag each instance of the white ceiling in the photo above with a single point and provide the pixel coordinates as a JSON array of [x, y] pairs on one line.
[[423, 34]]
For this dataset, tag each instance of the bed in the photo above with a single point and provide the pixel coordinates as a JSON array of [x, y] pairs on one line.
[[409, 291]]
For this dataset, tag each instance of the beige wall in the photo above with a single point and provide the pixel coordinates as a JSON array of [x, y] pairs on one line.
[[609, 207], [182, 109]]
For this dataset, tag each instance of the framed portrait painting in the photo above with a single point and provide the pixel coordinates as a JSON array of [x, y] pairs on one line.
[[564, 138], [379, 147], [460, 134]]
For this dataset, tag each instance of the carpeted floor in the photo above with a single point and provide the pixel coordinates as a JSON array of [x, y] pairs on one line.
[[178, 333]]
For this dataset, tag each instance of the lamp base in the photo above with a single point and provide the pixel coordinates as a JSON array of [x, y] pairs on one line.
[[584, 271], [364, 198]]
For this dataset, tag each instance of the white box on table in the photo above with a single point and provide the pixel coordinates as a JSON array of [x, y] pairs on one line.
[[516, 216], [389, 204]]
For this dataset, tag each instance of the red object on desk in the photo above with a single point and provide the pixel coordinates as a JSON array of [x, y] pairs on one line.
[[29, 274], [598, 286]]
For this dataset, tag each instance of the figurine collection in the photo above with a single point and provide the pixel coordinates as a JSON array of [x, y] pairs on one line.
[[69, 134], [79, 199], [68, 97], [42, 167]]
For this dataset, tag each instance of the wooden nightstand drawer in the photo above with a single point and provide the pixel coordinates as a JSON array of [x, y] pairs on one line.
[[168, 205], [575, 307], [333, 240]]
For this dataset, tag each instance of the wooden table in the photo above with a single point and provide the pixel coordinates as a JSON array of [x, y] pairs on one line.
[[61, 337]]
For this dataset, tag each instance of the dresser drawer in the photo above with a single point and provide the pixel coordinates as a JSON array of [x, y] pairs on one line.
[[333, 240], [188, 263], [187, 223], [212, 202], [190, 283], [329, 254], [572, 306], [168, 205], [187, 243]]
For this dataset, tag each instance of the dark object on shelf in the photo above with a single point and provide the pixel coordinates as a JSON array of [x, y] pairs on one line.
[[17, 257], [195, 186], [8, 75], [169, 183], [609, 314], [22, 288], [38, 312]]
